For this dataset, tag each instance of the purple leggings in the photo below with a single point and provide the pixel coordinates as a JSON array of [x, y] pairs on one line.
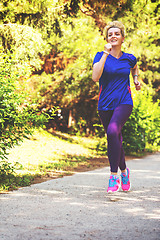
[[113, 121]]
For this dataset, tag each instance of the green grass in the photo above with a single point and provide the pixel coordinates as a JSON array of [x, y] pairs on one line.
[[46, 154], [47, 150]]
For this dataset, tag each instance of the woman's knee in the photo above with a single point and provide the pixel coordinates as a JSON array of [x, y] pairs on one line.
[[112, 130]]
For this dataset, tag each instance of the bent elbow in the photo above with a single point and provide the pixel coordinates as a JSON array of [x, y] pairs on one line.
[[95, 78]]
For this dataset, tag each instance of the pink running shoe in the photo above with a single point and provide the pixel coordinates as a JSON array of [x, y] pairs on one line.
[[125, 183], [114, 184]]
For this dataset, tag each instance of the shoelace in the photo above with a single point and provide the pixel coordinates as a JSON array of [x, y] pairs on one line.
[[124, 179]]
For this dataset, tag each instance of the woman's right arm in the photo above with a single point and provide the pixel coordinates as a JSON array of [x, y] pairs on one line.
[[99, 66]]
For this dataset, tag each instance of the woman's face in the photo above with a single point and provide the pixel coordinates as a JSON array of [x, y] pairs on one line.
[[115, 37]]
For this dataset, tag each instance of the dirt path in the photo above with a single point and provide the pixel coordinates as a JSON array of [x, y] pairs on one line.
[[77, 207]]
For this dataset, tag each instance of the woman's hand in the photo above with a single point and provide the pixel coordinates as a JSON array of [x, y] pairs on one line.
[[135, 71], [99, 66], [108, 47], [137, 84]]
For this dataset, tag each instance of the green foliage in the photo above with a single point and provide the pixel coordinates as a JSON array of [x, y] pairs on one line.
[[142, 39], [142, 130], [102, 145], [72, 88], [17, 115], [5, 169], [25, 44], [9, 180], [80, 43]]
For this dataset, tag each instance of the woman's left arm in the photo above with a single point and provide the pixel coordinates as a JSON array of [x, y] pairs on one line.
[[135, 72]]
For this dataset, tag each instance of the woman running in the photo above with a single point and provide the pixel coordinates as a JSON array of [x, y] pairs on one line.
[[111, 68]]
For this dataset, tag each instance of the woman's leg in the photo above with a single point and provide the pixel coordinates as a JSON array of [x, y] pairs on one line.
[[122, 163], [113, 121], [114, 137], [105, 117]]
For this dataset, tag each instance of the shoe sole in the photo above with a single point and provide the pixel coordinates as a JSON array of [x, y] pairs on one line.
[[114, 191]]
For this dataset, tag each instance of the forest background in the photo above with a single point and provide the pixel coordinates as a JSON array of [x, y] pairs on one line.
[[46, 52]]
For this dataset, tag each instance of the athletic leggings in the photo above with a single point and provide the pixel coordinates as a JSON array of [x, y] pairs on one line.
[[113, 121]]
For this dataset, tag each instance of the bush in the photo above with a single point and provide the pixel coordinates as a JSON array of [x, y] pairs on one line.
[[17, 116], [143, 127], [9, 180]]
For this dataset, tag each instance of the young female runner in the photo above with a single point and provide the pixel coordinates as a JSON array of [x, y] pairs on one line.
[[111, 68]]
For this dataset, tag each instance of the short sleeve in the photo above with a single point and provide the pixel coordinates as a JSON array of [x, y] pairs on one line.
[[97, 57], [132, 60]]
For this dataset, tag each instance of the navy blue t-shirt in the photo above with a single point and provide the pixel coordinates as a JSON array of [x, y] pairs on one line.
[[114, 84]]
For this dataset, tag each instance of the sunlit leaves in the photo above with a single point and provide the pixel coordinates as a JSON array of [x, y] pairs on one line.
[[17, 115]]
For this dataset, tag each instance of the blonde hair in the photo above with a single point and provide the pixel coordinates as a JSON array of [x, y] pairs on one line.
[[114, 24]]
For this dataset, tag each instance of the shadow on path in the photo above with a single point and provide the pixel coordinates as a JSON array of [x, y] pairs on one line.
[[78, 207]]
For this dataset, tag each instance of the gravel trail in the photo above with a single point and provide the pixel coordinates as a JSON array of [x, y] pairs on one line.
[[78, 207]]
